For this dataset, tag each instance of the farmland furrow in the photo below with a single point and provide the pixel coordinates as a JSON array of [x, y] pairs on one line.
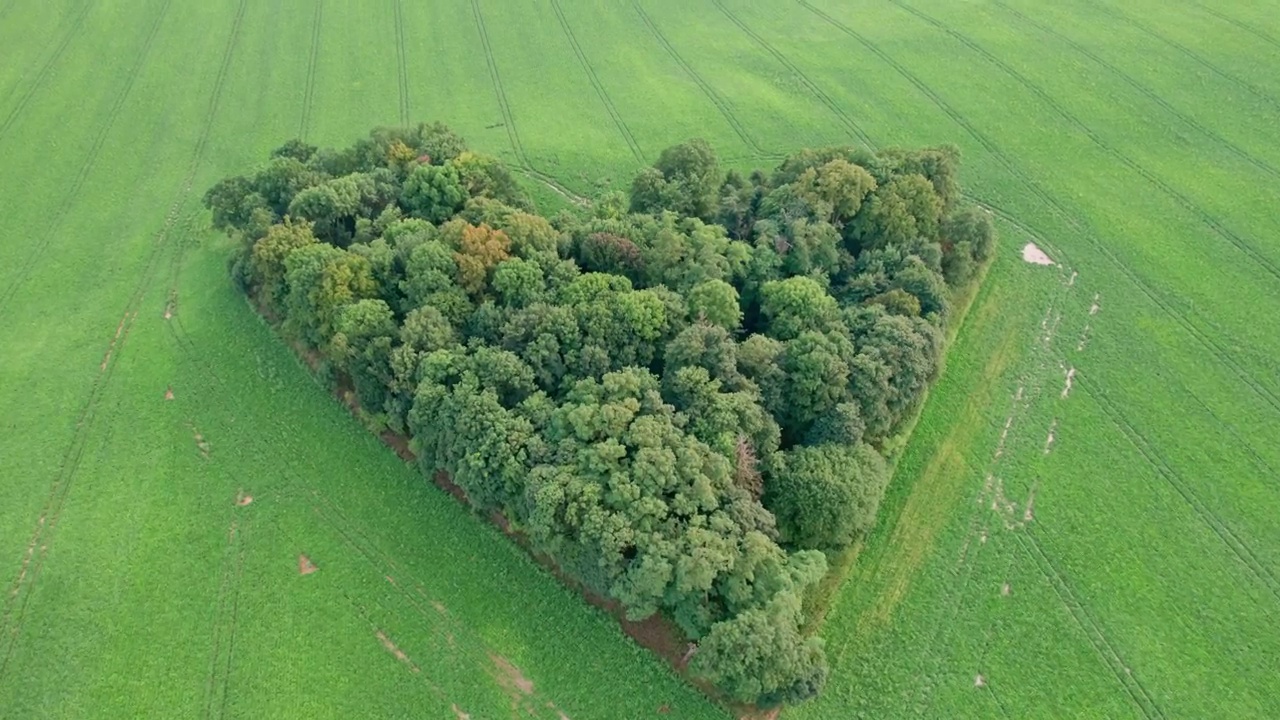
[[1187, 203], [1105, 650], [1243, 553], [225, 621], [597, 84], [82, 176], [504, 106], [69, 465], [402, 70], [1143, 89], [707, 90], [1190, 54], [1239, 25], [309, 91], [1214, 348], [43, 73], [849, 123]]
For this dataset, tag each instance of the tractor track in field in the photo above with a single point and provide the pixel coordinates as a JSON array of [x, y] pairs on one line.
[[402, 63], [90, 160], [1243, 553], [309, 92], [1088, 625], [1264, 37], [814, 89], [1187, 204], [19, 598], [504, 107], [45, 69], [226, 619], [1190, 54], [1213, 347], [597, 84], [1146, 92], [708, 91]]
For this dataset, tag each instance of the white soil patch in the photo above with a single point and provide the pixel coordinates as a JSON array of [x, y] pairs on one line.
[[1071, 377], [1005, 590], [168, 394], [1048, 443], [1072, 281], [243, 499], [1033, 254], [1095, 307], [979, 681]]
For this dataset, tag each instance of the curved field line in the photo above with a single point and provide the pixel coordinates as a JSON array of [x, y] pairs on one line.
[[15, 615], [1191, 54], [707, 90], [1087, 233], [850, 124], [82, 175], [1146, 91], [1238, 547], [402, 70], [504, 106], [1187, 203], [1098, 640], [308, 97], [597, 84], [1264, 37], [43, 74]]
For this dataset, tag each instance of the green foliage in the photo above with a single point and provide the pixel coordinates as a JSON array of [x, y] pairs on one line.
[[583, 379], [826, 495]]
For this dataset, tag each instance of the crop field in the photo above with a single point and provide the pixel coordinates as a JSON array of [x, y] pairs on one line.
[[1083, 524]]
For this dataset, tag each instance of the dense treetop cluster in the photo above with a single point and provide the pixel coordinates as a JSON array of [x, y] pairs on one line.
[[679, 395]]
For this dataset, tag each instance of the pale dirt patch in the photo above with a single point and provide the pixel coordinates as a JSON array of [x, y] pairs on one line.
[[1005, 590], [306, 567], [243, 499], [1033, 254], [511, 675], [1096, 306], [1072, 281], [461, 715], [1048, 443], [1071, 377], [168, 393], [1084, 338], [979, 681], [396, 651]]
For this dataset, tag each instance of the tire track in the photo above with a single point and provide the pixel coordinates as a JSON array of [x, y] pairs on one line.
[[1243, 553], [402, 69], [720, 103], [1143, 89], [1092, 630], [1212, 346], [1184, 201], [504, 106], [1240, 25], [20, 597], [90, 160], [308, 97], [845, 119], [45, 69], [1192, 55], [226, 619], [597, 84]]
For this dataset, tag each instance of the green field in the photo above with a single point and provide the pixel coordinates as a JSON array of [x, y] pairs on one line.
[[1111, 551]]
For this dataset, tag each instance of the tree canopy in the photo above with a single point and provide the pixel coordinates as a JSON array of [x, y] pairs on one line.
[[682, 400]]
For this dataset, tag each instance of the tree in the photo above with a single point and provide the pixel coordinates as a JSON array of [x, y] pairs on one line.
[[362, 341], [480, 249], [761, 657], [267, 264], [825, 496], [797, 305], [685, 180], [321, 279], [716, 301], [433, 193]]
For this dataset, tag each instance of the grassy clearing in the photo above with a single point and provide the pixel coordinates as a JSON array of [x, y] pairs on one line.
[[1133, 141]]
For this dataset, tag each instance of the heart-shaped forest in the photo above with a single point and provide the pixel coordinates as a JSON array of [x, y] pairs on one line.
[[687, 399]]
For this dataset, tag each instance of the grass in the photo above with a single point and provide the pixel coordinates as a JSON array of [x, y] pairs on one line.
[[1133, 142]]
